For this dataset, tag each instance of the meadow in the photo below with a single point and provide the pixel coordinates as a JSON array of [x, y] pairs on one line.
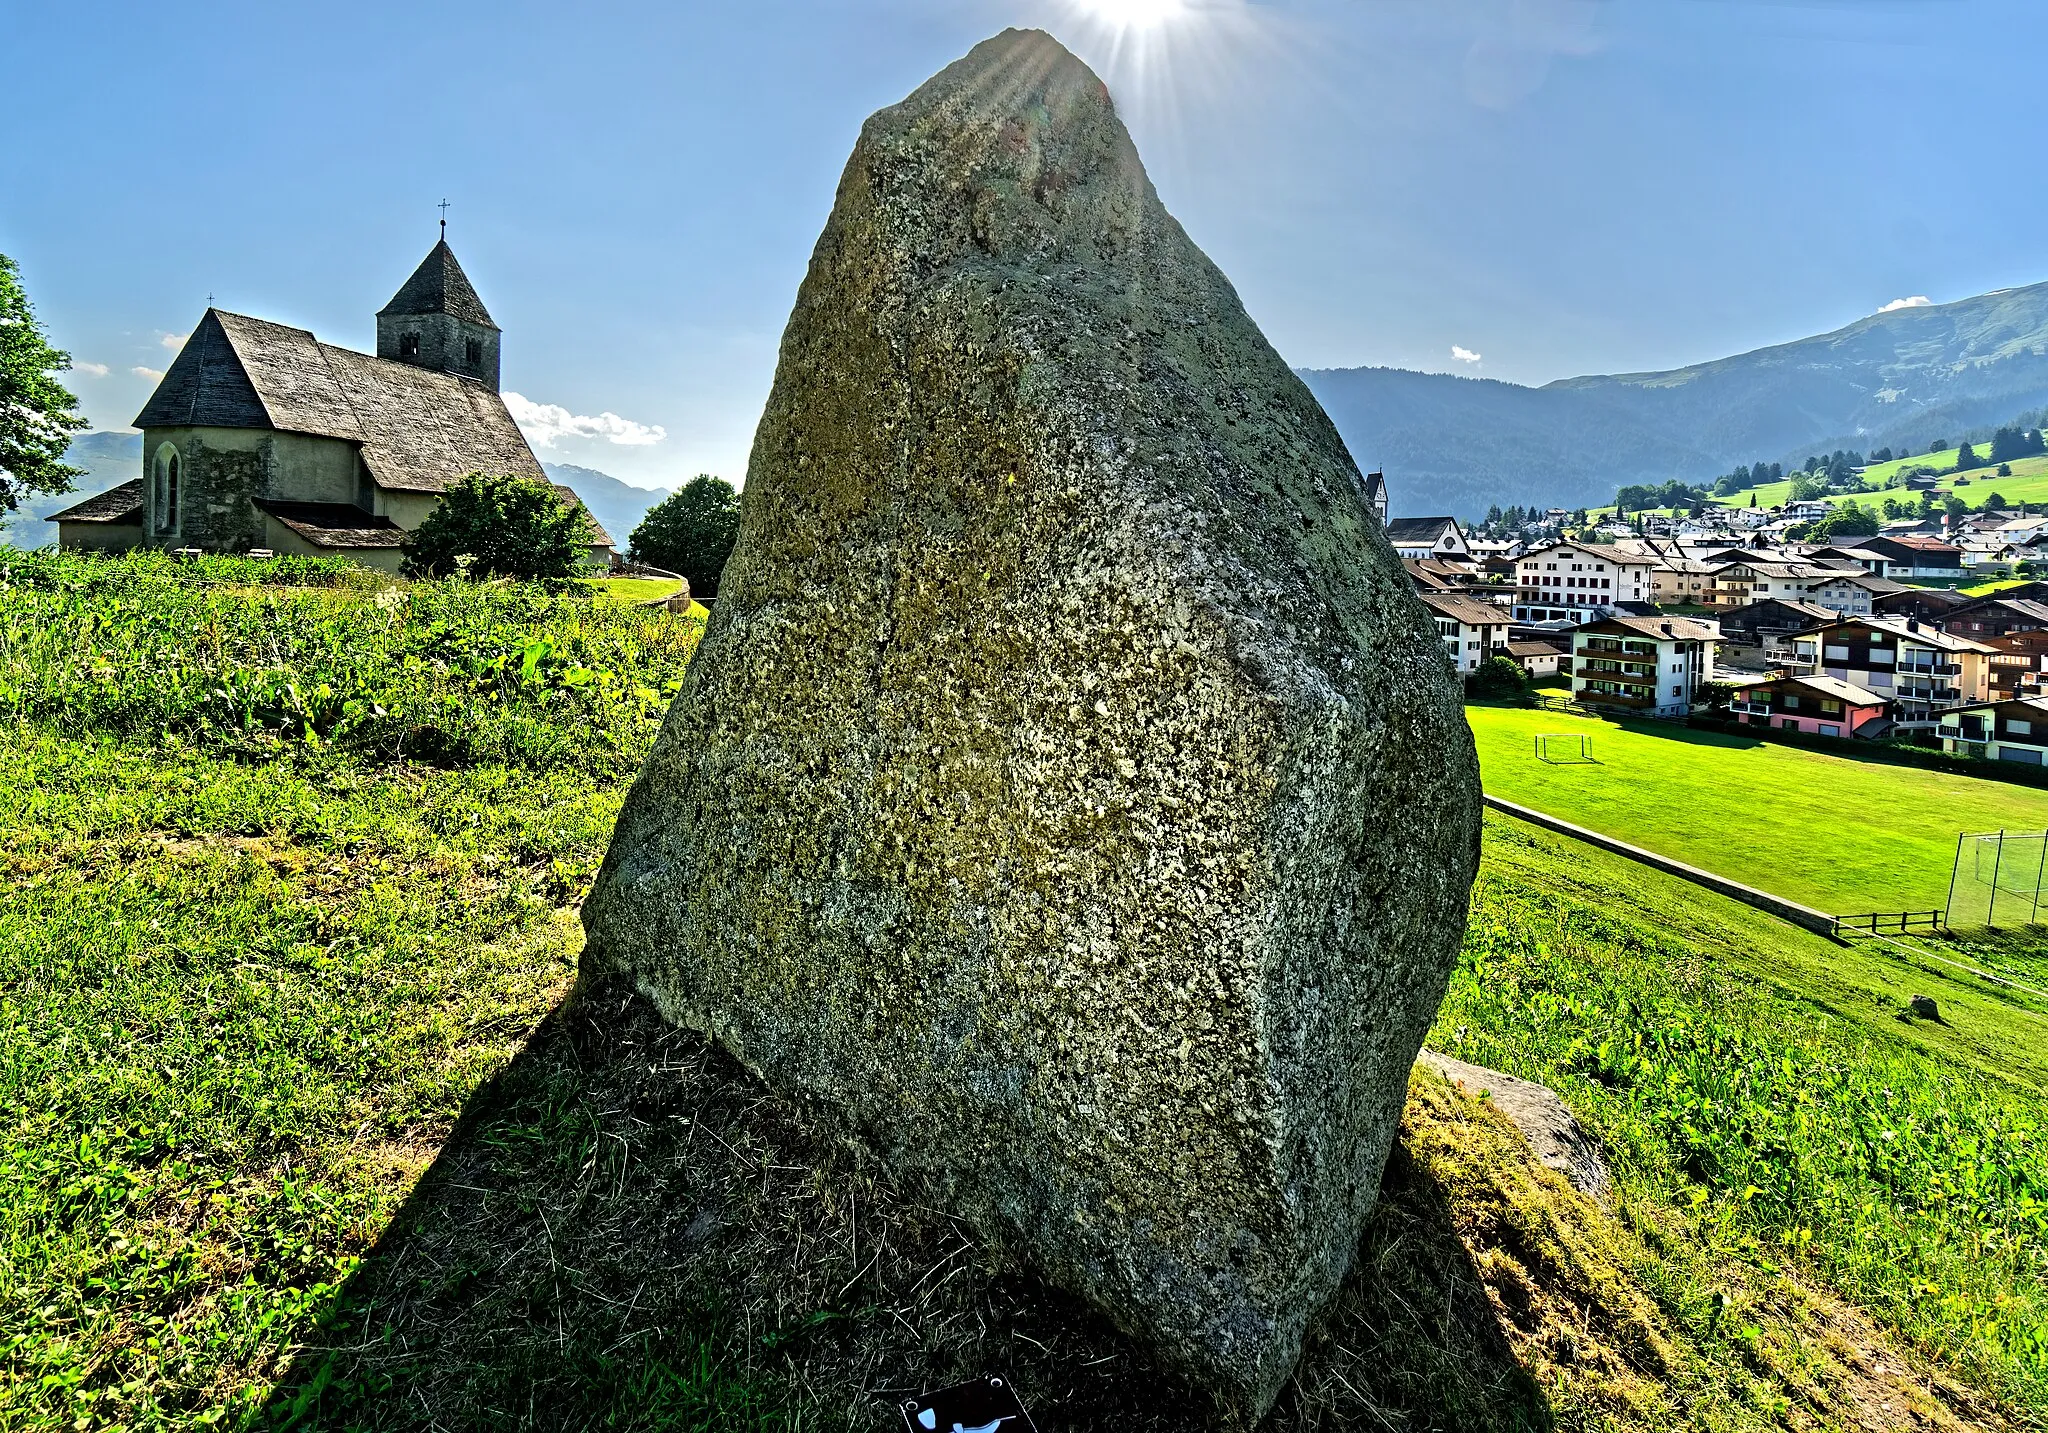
[[2028, 482], [1841, 834], [302, 1128]]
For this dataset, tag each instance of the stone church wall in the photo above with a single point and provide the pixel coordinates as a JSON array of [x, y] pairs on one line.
[[222, 471]]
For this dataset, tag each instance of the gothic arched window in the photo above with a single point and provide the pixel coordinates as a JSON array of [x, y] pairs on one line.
[[165, 504]]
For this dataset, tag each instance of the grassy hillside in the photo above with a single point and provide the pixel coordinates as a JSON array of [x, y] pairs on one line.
[[298, 1132], [2028, 482]]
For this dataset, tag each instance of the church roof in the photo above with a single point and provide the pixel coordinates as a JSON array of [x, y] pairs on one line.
[[438, 285], [119, 504], [419, 429], [335, 524]]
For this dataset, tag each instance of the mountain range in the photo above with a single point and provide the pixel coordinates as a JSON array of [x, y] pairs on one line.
[[110, 457], [1450, 444]]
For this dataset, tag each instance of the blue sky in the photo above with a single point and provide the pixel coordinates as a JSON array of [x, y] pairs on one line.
[[1554, 186]]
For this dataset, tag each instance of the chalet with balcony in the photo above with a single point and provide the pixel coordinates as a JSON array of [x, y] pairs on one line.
[[1818, 706], [1923, 670], [1581, 582], [1989, 617], [1654, 666], [1763, 632], [1925, 604], [2015, 731]]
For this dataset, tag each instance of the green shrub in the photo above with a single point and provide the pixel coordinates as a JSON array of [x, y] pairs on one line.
[[499, 526], [1498, 679]]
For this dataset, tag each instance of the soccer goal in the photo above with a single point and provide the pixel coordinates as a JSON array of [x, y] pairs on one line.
[[1998, 879], [1562, 748]]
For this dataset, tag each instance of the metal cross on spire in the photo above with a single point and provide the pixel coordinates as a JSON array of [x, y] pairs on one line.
[[444, 218]]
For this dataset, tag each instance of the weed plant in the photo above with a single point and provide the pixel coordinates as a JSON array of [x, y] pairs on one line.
[[247, 658], [1787, 1132]]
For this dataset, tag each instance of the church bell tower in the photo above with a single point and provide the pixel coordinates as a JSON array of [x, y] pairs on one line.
[[437, 321]]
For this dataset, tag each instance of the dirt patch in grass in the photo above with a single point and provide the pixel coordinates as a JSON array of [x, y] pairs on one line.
[[628, 1230]]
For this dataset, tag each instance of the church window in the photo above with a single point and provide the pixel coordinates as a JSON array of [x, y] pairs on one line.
[[473, 350], [408, 345], [166, 489]]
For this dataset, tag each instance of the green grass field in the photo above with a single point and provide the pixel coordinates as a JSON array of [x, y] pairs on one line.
[[1832, 832], [296, 1136]]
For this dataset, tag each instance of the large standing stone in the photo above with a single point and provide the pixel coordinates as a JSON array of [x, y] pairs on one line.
[[1070, 795]]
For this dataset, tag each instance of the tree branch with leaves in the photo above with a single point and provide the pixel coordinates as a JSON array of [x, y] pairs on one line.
[[38, 414]]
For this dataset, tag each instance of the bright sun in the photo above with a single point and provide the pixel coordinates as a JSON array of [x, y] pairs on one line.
[[1135, 14]]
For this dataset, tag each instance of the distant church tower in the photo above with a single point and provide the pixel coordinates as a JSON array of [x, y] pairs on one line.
[[437, 321]]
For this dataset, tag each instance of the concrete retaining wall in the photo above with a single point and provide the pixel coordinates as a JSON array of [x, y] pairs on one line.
[[1797, 914]]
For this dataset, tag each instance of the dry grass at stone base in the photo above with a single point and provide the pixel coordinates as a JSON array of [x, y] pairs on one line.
[[626, 1230]]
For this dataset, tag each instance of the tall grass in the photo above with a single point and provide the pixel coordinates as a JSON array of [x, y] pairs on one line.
[[247, 658], [1791, 1134]]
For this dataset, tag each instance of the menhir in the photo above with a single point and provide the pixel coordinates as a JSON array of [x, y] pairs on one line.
[[1070, 795]]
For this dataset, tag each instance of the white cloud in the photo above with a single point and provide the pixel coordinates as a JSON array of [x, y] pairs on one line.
[[1463, 355], [545, 423], [1917, 301], [152, 374], [172, 341], [91, 370]]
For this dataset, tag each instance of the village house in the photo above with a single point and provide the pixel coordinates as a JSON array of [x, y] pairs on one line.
[[1420, 537], [1472, 630], [1761, 634], [1682, 582], [1537, 657], [1986, 617], [1853, 594], [1818, 706], [1924, 670], [2015, 731], [262, 437], [1654, 666], [1926, 604], [1579, 582], [1915, 556]]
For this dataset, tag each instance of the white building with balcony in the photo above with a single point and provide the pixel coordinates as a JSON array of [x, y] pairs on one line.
[[1654, 666]]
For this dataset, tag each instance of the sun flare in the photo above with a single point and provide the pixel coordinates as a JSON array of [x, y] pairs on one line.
[[1135, 14]]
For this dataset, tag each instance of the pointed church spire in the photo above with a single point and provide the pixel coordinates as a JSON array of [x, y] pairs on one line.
[[437, 321], [438, 285]]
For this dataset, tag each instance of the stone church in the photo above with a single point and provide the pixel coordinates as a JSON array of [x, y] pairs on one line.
[[261, 437]]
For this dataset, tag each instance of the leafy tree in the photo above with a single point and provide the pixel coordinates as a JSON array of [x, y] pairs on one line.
[[1939, 445], [500, 526], [1995, 503], [1966, 458], [2005, 470], [1953, 505], [38, 414], [691, 531], [1851, 519], [1806, 488]]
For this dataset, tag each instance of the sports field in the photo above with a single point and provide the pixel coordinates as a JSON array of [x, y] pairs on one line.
[[1833, 832]]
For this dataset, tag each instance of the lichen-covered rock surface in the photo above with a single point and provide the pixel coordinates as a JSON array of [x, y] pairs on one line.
[[1070, 796]]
